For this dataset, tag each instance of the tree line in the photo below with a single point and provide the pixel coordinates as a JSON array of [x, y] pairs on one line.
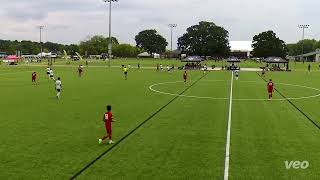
[[30, 47], [309, 45], [203, 39]]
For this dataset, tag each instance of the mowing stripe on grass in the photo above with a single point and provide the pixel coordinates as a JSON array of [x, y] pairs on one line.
[[15, 73], [135, 129], [295, 106], [227, 158]]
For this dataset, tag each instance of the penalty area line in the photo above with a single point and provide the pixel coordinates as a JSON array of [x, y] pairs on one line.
[[135, 129]]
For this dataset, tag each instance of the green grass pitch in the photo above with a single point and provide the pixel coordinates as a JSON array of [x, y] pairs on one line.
[[158, 135]]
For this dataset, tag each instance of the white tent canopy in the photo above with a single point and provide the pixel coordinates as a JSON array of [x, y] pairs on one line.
[[144, 54], [241, 46]]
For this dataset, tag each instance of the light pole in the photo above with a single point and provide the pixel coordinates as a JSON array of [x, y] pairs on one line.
[[171, 27], [41, 49], [303, 27], [110, 40]]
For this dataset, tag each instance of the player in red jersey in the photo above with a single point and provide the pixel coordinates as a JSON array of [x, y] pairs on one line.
[[185, 76], [34, 77], [270, 87], [107, 118]]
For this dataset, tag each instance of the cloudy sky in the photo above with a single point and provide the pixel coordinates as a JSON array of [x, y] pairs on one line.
[[70, 21]]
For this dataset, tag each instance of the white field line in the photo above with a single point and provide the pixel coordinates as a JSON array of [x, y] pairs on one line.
[[151, 87], [227, 158]]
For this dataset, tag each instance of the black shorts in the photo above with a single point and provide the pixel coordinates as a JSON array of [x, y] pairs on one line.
[[51, 75], [59, 90], [125, 73], [48, 73]]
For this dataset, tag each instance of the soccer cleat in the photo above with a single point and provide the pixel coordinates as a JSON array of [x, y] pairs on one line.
[[100, 141], [111, 142]]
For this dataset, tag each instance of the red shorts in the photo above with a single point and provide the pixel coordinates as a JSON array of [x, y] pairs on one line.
[[34, 78], [270, 90], [184, 77], [108, 128]]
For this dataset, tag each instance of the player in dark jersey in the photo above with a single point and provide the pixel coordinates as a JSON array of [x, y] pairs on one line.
[[34, 77], [80, 70], [185, 76], [107, 118], [270, 88]]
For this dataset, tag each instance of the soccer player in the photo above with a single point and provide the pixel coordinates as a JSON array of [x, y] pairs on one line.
[[237, 73], [161, 67], [34, 77], [125, 71], [309, 68], [51, 74], [107, 118], [205, 68], [185, 76], [48, 72], [263, 72], [58, 87], [168, 69], [80, 70], [270, 87], [138, 65]]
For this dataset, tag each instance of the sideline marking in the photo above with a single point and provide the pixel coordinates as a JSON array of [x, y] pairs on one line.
[[217, 98], [135, 129], [227, 158]]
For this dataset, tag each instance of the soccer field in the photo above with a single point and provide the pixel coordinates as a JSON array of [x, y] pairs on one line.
[[165, 129]]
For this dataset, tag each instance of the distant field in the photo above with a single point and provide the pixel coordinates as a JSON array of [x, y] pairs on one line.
[[133, 62], [165, 129]]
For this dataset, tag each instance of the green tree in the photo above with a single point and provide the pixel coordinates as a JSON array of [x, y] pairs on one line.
[[309, 45], [267, 44], [205, 39], [151, 41], [54, 47], [126, 50], [96, 45], [72, 49]]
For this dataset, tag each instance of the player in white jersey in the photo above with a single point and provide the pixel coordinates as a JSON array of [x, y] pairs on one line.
[[51, 74], [58, 87], [168, 68], [205, 68], [237, 73], [48, 72]]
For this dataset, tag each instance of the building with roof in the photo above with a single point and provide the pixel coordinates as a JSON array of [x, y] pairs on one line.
[[241, 49], [309, 57]]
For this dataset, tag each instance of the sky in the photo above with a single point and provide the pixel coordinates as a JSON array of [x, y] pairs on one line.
[[70, 21]]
